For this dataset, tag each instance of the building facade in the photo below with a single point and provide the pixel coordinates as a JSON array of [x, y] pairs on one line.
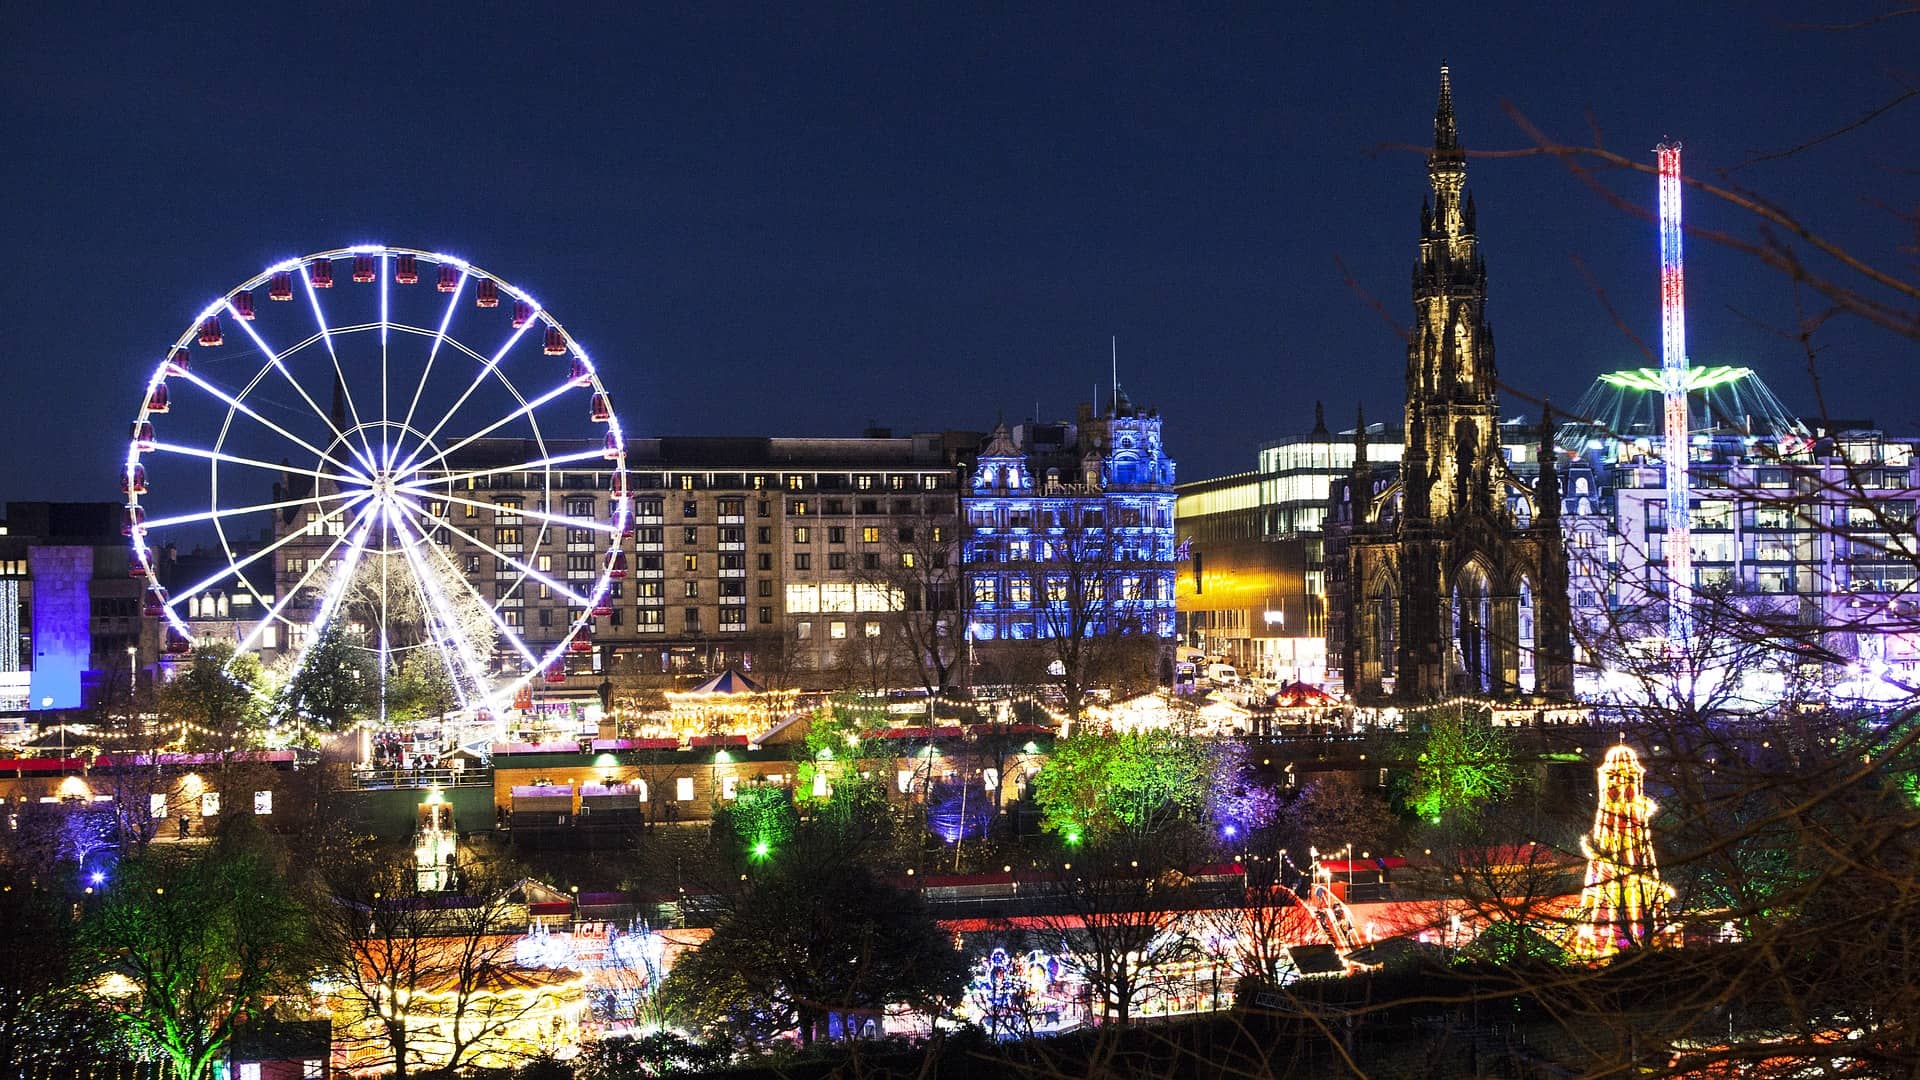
[[1452, 577], [1069, 531], [766, 554], [1814, 535], [70, 619]]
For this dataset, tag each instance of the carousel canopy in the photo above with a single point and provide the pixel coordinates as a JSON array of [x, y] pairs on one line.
[[729, 682]]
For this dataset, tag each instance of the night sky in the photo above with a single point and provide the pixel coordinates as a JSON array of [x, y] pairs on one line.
[[773, 224]]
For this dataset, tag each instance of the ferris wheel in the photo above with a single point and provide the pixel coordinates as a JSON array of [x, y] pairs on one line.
[[383, 449]]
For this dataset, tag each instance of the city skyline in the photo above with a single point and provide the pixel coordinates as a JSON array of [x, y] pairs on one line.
[[758, 227]]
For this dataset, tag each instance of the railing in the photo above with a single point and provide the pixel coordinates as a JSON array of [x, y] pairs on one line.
[[387, 779]]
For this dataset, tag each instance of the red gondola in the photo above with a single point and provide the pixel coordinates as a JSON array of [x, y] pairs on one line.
[[487, 293], [614, 446], [136, 519], [405, 270], [578, 373], [243, 304], [363, 269], [321, 274], [603, 608], [177, 362], [157, 398], [177, 643], [133, 480], [581, 644], [281, 288], [449, 278], [137, 566], [522, 313], [602, 409], [156, 602], [619, 485], [556, 675], [616, 564], [483, 716], [556, 342], [210, 331], [142, 435]]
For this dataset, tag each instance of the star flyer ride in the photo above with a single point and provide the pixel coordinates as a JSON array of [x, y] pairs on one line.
[[328, 431]]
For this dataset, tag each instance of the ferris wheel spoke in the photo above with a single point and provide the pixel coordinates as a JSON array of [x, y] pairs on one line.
[[436, 603], [235, 459], [386, 433], [425, 483], [506, 632], [524, 567], [151, 524], [525, 409], [326, 335], [439, 338], [538, 515], [237, 404], [252, 639], [486, 369], [275, 361]]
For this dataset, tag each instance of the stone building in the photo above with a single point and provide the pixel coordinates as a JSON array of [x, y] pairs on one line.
[[1452, 577], [70, 626]]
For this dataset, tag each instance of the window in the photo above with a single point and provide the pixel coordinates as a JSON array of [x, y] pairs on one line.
[[263, 802], [837, 631], [802, 631], [507, 512], [766, 508], [733, 535], [985, 591], [579, 508], [544, 564], [645, 589], [689, 509], [801, 535], [1019, 589], [766, 615], [864, 483], [683, 789], [802, 598], [836, 534], [729, 786], [210, 804], [906, 535], [686, 484], [648, 507], [691, 562], [733, 562], [837, 560], [764, 560], [733, 588], [870, 534], [733, 507], [690, 535], [248, 1070], [872, 629], [796, 483], [157, 805], [836, 596], [763, 535], [294, 566], [650, 616], [870, 560], [802, 561], [797, 507], [580, 564], [507, 538], [692, 618], [906, 559], [693, 589]]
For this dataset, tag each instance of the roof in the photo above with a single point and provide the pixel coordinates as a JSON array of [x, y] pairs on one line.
[[729, 682]]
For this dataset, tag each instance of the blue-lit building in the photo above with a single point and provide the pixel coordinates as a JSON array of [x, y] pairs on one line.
[[1070, 509]]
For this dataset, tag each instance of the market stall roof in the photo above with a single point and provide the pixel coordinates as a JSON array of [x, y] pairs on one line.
[[729, 682]]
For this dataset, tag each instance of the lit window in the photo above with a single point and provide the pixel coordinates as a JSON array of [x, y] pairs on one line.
[[157, 805], [802, 598], [837, 631], [210, 804], [263, 802], [248, 1070], [872, 629], [729, 787], [683, 789]]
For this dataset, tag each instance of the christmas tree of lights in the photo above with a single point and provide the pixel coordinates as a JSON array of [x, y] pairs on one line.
[[1620, 903]]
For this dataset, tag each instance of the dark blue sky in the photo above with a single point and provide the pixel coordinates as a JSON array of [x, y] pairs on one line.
[[769, 223]]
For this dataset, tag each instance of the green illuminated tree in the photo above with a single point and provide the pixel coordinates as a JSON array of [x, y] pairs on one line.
[[759, 821], [205, 938], [1467, 764], [1095, 786]]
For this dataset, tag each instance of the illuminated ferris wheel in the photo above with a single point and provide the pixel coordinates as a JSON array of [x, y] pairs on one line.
[[385, 450]]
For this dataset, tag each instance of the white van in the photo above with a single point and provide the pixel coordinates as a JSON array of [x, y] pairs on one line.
[[1222, 674]]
